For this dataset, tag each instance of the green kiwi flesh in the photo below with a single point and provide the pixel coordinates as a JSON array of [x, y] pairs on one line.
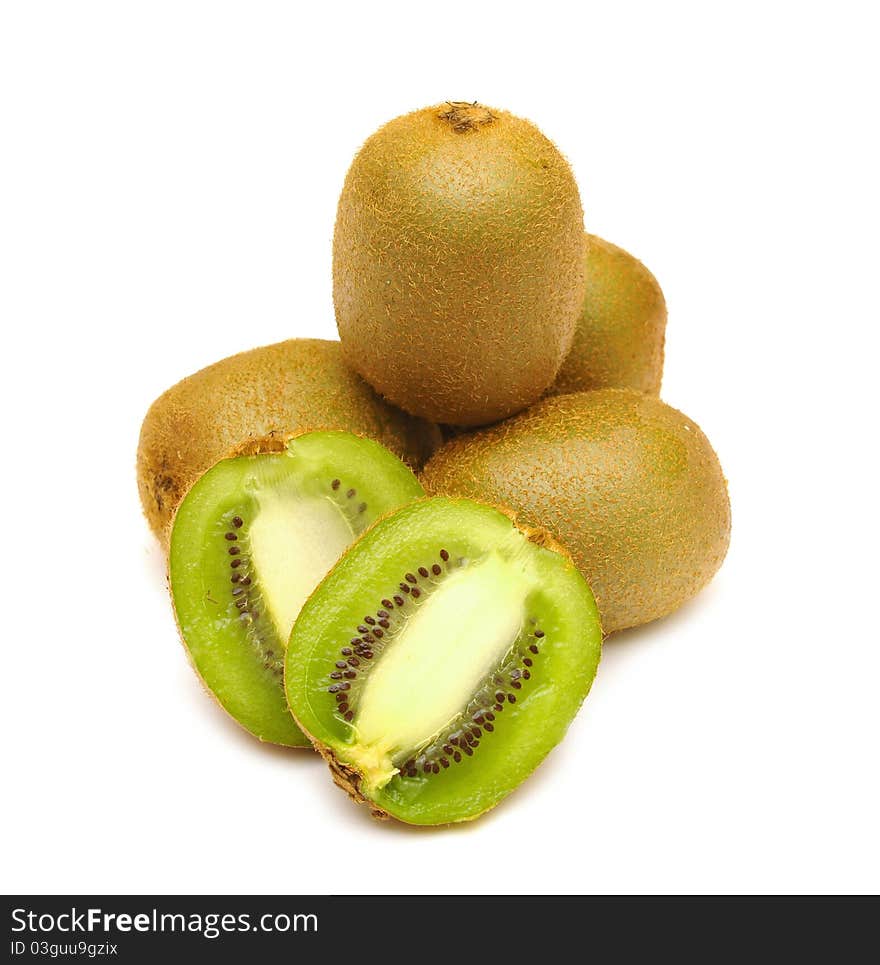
[[249, 543], [441, 659]]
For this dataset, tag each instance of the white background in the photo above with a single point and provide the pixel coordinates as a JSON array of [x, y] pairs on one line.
[[169, 181]]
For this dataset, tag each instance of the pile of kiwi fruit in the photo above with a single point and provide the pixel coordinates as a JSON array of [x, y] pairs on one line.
[[404, 549]]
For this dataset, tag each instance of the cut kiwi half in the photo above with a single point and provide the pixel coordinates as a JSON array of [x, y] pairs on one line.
[[250, 542], [441, 659]]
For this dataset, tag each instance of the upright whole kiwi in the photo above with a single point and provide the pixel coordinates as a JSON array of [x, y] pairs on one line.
[[630, 486], [458, 263]]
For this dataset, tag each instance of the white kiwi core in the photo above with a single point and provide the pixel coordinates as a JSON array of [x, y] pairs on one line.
[[438, 659], [294, 542]]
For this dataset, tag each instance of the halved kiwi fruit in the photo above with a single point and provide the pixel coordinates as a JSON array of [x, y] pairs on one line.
[[441, 659], [250, 542]]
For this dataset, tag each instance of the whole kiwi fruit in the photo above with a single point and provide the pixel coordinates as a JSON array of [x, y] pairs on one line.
[[458, 263], [630, 486], [441, 659], [283, 389], [619, 337]]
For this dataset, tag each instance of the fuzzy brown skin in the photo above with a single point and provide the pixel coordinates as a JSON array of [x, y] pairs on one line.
[[278, 390], [629, 485], [620, 334], [457, 263]]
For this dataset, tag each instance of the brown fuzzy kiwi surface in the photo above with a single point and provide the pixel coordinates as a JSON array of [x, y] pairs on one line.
[[619, 338], [282, 390], [628, 484], [457, 263]]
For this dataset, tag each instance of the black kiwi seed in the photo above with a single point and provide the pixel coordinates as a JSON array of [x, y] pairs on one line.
[[349, 674], [231, 536], [444, 555], [422, 571], [335, 484], [511, 699], [237, 522], [403, 587], [370, 620], [363, 629], [539, 633], [416, 592], [235, 577], [346, 651], [336, 675], [234, 550], [435, 569], [362, 508], [489, 727], [235, 563], [385, 624], [533, 648], [351, 493], [499, 696], [410, 578], [456, 757], [378, 633], [444, 762], [349, 715], [526, 675], [384, 614], [527, 661], [388, 606], [341, 664]]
